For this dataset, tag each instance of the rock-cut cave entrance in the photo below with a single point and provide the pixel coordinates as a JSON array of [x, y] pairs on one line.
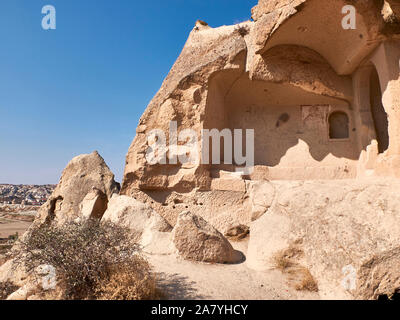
[[379, 114]]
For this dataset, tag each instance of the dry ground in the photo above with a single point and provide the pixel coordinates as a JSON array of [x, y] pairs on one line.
[[10, 225], [181, 280]]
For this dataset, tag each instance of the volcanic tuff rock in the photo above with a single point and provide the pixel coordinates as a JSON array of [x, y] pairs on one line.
[[152, 231], [183, 97], [81, 176], [197, 240], [349, 232], [284, 74], [285, 44]]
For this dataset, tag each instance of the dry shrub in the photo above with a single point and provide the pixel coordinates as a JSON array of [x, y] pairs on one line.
[[242, 30], [300, 277], [284, 259], [5, 254], [306, 281], [6, 288], [129, 281], [87, 257]]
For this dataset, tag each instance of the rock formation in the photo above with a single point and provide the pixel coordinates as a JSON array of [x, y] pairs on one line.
[[230, 77], [323, 101], [320, 98], [197, 240], [86, 184], [348, 232], [151, 230]]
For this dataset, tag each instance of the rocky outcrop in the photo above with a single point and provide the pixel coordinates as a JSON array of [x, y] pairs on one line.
[[285, 44], [183, 98], [94, 205], [86, 178], [151, 230], [195, 239], [348, 232], [9, 272]]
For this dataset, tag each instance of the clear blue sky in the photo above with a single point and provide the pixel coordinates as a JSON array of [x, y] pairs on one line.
[[84, 86]]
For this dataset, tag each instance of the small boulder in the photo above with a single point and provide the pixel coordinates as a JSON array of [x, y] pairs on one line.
[[195, 239]]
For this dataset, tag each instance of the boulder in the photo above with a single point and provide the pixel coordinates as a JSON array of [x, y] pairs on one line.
[[86, 178], [195, 239], [152, 231], [348, 233]]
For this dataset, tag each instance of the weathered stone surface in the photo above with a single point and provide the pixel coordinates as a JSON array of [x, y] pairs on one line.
[[301, 67], [286, 45], [236, 185], [344, 229], [195, 239], [283, 75], [9, 272], [262, 195], [183, 96], [238, 232], [94, 205], [81, 177], [152, 231], [134, 215], [267, 6]]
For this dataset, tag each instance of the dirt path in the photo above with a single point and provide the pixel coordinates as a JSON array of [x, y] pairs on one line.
[[183, 280]]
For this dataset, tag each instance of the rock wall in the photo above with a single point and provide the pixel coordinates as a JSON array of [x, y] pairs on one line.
[[348, 233], [274, 75]]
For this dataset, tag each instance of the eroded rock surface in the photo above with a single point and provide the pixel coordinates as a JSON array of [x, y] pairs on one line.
[[349, 232], [151, 230], [86, 178], [197, 240]]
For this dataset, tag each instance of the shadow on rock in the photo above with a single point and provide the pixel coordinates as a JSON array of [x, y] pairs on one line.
[[239, 257]]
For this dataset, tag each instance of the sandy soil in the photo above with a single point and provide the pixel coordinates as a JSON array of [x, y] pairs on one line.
[[10, 226], [182, 280]]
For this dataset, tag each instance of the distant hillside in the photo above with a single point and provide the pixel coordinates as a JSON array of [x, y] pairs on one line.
[[27, 194]]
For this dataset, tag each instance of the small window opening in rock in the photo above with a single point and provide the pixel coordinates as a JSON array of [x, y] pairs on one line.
[[339, 125]]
